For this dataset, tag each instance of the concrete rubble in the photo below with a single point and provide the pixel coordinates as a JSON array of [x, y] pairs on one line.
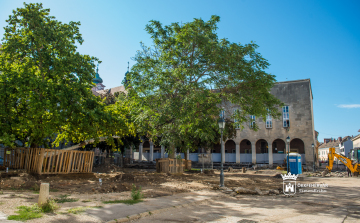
[[241, 190]]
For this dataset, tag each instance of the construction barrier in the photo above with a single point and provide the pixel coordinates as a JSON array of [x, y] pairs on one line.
[[167, 165], [49, 161]]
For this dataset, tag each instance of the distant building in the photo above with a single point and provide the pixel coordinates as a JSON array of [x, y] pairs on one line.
[[323, 149], [345, 146], [356, 141], [100, 88], [98, 81]]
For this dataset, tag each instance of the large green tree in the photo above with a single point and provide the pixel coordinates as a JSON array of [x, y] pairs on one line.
[[179, 85], [46, 84]]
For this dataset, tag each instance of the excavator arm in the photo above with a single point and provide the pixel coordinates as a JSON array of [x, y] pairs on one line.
[[346, 161]]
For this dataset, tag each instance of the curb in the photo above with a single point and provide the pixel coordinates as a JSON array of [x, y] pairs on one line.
[[149, 213]]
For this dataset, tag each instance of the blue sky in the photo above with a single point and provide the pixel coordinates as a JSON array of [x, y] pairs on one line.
[[319, 40]]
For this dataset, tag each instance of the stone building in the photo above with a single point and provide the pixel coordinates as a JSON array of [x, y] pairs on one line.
[[268, 144]]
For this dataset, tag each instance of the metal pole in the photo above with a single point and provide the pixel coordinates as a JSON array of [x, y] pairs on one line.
[[314, 158], [222, 167], [287, 158]]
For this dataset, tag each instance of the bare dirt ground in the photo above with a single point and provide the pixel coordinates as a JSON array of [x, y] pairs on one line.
[[19, 188]]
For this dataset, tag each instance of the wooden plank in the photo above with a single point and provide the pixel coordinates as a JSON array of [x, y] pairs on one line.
[[83, 162], [40, 161], [48, 161], [28, 158], [91, 162], [69, 162], [64, 162], [57, 161], [80, 161], [61, 161], [22, 161], [86, 161], [34, 160], [77, 161], [74, 161], [34, 165]]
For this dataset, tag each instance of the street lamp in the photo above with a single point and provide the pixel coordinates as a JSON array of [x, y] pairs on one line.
[[287, 154], [312, 145], [221, 123]]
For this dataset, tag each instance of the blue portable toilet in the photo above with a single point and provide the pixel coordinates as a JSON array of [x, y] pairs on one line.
[[294, 160]]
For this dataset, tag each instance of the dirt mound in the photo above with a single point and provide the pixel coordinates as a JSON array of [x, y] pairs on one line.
[[106, 168]]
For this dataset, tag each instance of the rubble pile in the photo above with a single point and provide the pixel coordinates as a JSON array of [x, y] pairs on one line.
[[332, 174], [241, 190]]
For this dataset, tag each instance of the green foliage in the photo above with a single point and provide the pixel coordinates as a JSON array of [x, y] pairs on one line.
[[178, 87], [76, 210], [26, 213], [65, 198], [49, 206], [129, 202], [136, 194], [46, 84]]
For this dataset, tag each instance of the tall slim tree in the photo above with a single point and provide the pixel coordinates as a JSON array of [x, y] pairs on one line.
[[46, 84], [179, 86]]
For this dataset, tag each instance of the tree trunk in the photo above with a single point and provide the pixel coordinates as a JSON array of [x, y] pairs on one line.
[[172, 152]]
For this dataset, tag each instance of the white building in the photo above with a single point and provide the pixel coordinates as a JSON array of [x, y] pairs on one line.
[[345, 146]]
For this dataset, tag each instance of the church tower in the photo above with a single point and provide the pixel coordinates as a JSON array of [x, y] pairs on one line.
[[98, 81]]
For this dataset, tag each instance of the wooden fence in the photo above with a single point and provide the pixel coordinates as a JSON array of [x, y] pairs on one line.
[[167, 165], [49, 161]]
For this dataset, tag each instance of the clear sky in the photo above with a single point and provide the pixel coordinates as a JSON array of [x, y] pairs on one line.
[[319, 40]]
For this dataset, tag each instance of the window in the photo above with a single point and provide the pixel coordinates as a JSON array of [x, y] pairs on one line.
[[237, 126], [268, 120], [286, 122], [252, 121], [233, 151]]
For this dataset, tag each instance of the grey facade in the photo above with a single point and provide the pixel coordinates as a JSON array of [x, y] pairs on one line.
[[266, 144]]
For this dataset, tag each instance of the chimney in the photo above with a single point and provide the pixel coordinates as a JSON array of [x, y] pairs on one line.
[[340, 139]]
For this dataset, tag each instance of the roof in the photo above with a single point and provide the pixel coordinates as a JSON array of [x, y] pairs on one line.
[[97, 78], [113, 90], [346, 138], [355, 138], [330, 144]]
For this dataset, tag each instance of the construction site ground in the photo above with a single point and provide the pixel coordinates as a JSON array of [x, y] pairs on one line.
[[188, 197]]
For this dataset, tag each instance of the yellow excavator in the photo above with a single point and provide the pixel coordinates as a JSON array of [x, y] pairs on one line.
[[353, 163]]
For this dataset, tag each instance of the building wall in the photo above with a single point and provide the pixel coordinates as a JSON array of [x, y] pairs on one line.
[[348, 145], [356, 141], [297, 95]]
